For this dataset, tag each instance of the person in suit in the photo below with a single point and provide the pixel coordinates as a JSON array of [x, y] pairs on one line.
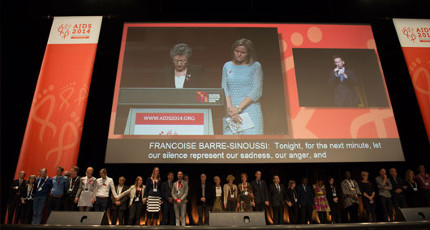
[[261, 194], [190, 199], [305, 194], [351, 192], [278, 197], [424, 180], [182, 74], [15, 198], [167, 209], [204, 199], [179, 195], [27, 194], [137, 200], [217, 195], [333, 197], [293, 202], [397, 193], [119, 207], [73, 186], [344, 82]]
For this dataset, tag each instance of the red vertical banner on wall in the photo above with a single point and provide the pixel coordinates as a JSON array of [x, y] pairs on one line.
[[54, 128], [414, 36]]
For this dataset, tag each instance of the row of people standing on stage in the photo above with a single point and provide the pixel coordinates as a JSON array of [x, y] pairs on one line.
[[172, 198]]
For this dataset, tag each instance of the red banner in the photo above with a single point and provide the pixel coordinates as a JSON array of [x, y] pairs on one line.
[[414, 36], [53, 133]]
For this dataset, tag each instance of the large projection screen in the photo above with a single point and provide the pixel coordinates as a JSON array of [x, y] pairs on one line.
[[320, 89]]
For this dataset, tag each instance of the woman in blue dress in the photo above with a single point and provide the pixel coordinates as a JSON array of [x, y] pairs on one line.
[[242, 81]]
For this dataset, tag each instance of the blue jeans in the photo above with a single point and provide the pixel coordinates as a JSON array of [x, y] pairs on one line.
[[39, 203], [101, 204]]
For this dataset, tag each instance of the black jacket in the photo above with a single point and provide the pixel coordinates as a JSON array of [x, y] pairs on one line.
[[208, 194], [195, 77], [261, 194], [277, 198]]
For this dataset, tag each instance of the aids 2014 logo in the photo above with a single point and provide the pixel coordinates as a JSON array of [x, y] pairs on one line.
[[419, 34], [76, 31]]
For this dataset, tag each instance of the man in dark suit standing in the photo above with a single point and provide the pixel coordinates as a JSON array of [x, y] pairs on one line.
[[277, 200], [344, 82], [166, 192], [261, 194], [74, 185], [204, 199], [15, 199], [118, 208], [306, 200]]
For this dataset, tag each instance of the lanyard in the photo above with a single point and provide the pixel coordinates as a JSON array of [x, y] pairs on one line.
[[351, 184], [38, 184], [423, 179], [72, 185], [88, 183], [178, 185], [416, 186], [29, 192], [154, 184]]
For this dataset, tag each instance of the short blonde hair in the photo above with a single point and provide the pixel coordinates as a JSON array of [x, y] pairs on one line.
[[364, 173], [230, 177]]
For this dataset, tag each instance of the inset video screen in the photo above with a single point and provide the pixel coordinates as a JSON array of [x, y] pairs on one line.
[[250, 93]]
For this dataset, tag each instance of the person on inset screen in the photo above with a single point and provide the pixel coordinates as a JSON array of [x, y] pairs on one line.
[[424, 179], [137, 200], [306, 201], [218, 196], [43, 187], [231, 200], [166, 191], [86, 195], [293, 202], [368, 197], [182, 74], [344, 82], [27, 194], [119, 207], [278, 198], [261, 193], [153, 197], [242, 81], [246, 194], [60, 185], [204, 199], [384, 190], [414, 195], [320, 199], [179, 195], [351, 191], [14, 198], [399, 199], [105, 185], [333, 197], [73, 186]]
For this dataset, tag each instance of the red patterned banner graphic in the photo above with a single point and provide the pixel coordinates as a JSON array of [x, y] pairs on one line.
[[53, 133], [414, 36]]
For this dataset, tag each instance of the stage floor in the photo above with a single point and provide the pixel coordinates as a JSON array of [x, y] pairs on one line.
[[421, 225]]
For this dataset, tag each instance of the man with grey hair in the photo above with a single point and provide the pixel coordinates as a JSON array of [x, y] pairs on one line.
[[182, 74]]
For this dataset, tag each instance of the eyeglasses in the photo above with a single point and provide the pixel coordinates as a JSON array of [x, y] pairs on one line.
[[180, 61]]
